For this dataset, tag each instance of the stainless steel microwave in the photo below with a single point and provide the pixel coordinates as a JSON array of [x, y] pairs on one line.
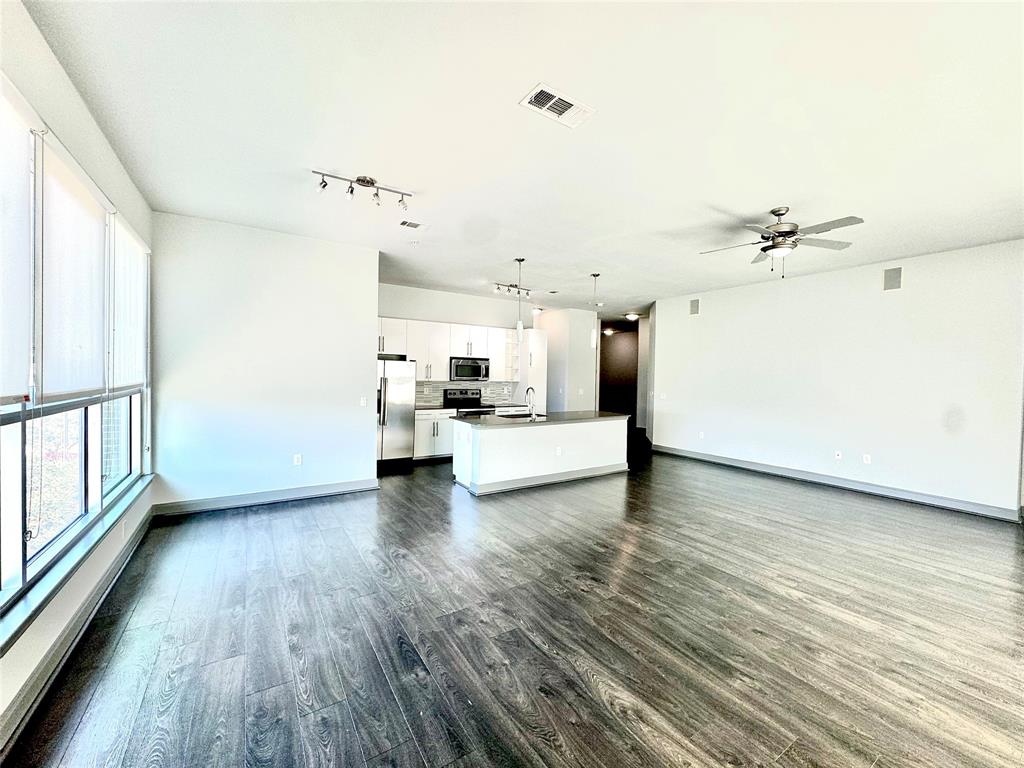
[[469, 369]]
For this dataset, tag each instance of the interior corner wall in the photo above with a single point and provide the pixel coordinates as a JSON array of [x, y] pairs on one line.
[[572, 358], [264, 346], [409, 303], [926, 380], [32, 68]]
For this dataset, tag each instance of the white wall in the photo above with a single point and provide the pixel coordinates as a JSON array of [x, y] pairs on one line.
[[926, 379], [263, 345], [572, 361], [29, 63], [410, 303]]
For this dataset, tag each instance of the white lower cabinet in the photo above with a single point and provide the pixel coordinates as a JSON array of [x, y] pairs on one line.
[[433, 436]]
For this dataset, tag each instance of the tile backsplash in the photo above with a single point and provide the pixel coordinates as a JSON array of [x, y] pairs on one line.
[[431, 393]]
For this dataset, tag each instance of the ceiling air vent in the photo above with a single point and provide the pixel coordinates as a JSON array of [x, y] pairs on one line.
[[555, 106], [410, 224]]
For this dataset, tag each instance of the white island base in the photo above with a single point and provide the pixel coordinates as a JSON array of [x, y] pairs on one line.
[[494, 454]]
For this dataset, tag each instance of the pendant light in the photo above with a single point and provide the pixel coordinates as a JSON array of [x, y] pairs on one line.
[[519, 302], [593, 331]]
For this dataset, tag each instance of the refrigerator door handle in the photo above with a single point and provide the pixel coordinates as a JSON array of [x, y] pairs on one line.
[[384, 401], [380, 403]]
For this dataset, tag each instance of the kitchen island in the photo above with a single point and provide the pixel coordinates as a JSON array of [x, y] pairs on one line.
[[501, 453]]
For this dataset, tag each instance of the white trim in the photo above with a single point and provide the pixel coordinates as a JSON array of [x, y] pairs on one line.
[[973, 507], [531, 482], [263, 497]]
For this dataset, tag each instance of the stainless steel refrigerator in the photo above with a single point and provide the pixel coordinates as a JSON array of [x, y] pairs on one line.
[[396, 409]]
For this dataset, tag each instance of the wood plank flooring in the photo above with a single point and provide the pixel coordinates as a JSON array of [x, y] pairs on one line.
[[684, 614]]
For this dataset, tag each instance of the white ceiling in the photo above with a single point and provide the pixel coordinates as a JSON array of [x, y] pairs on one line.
[[909, 116]]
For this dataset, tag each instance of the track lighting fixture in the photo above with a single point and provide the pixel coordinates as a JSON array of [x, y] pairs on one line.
[[367, 182]]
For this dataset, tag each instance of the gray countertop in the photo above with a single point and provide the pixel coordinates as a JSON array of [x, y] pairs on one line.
[[557, 417]]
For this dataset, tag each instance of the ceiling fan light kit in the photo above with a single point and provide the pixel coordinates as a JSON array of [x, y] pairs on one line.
[[780, 239]]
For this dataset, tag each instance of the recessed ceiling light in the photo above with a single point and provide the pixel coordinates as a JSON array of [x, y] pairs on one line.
[[552, 291], [632, 316]]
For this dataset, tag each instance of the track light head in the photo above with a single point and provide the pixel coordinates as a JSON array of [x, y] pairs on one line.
[[497, 288], [376, 197], [402, 204], [323, 183], [350, 192]]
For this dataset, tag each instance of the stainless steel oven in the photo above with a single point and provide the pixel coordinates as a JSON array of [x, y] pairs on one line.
[[469, 369]]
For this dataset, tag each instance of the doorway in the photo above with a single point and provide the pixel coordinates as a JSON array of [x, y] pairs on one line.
[[618, 364]]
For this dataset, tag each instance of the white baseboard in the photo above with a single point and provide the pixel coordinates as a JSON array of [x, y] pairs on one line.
[[985, 510], [263, 497]]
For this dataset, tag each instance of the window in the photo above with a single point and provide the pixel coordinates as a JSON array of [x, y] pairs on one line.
[[116, 425], [54, 476], [73, 359]]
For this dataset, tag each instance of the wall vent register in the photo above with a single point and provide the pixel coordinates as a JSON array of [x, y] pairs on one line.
[[892, 279]]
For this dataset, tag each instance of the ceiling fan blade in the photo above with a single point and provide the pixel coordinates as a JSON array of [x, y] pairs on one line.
[[759, 229], [817, 242], [830, 225], [760, 257], [716, 250]]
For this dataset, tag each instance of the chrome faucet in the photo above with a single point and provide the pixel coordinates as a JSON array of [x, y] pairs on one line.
[[531, 401]]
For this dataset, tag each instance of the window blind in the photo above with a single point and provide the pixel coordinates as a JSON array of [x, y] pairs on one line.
[[129, 309], [16, 150], [73, 280]]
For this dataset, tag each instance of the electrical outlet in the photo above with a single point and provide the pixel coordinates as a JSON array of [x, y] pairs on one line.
[[362, 401], [558, 451], [839, 455], [296, 459], [867, 458], [700, 435]]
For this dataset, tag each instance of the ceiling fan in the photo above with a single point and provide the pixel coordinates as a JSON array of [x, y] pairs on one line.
[[779, 239]]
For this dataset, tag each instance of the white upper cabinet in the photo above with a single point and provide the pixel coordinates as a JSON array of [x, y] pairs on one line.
[[440, 352], [391, 336], [497, 352], [432, 344], [468, 341], [459, 341], [428, 344], [478, 340]]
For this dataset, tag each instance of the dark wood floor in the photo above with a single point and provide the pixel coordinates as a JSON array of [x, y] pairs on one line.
[[685, 614]]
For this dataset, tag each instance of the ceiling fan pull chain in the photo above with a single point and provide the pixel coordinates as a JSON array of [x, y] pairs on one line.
[[783, 267]]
